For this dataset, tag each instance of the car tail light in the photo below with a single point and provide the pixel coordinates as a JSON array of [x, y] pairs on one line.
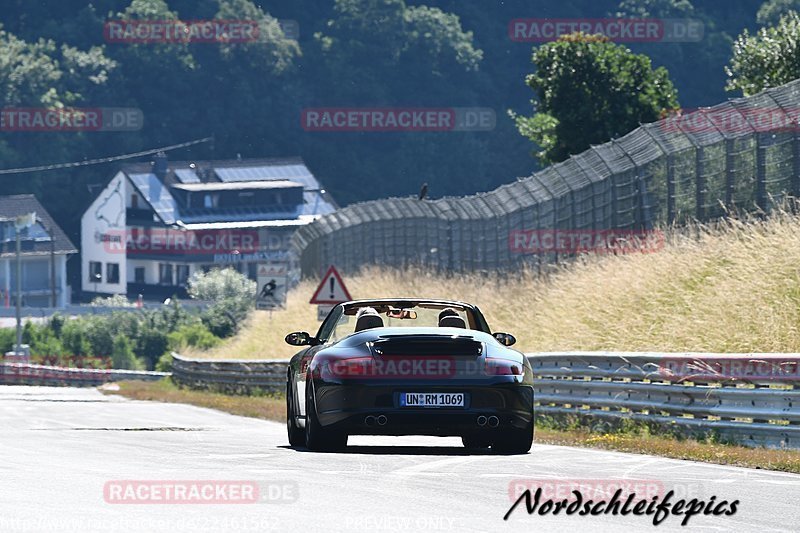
[[503, 367]]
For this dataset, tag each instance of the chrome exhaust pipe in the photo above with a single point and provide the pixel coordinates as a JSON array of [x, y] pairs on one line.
[[369, 421], [494, 421], [382, 420], [481, 420]]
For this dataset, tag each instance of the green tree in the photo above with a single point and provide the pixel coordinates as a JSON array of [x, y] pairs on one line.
[[122, 355], [233, 295], [771, 11], [588, 91], [769, 58], [221, 284], [74, 337], [192, 335]]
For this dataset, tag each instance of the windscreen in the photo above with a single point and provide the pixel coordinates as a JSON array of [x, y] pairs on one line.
[[412, 317]]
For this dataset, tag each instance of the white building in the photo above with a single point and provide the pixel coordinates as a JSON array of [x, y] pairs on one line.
[[44, 250], [155, 224]]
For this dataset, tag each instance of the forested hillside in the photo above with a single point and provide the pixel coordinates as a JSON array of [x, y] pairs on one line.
[[360, 53]]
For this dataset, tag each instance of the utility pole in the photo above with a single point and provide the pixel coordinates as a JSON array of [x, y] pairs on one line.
[[22, 222], [53, 301], [18, 347]]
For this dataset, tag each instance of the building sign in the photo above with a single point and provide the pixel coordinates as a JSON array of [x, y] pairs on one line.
[[322, 311], [279, 256], [273, 281]]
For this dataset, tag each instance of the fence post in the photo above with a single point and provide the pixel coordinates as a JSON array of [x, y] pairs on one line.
[[796, 160], [700, 193], [730, 175], [761, 174]]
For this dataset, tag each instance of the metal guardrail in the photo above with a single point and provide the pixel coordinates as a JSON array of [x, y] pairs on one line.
[[230, 376], [87, 309], [750, 399], [29, 374]]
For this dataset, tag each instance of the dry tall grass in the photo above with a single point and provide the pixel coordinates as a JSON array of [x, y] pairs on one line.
[[730, 288]]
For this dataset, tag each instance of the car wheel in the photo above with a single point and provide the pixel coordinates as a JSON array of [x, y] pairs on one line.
[[514, 440], [318, 438], [297, 436], [475, 442]]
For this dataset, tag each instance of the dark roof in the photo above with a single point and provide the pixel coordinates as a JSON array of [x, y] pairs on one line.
[[22, 204]]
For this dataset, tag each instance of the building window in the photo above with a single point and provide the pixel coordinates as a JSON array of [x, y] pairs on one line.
[[95, 271], [181, 274], [165, 273], [112, 273], [211, 200], [134, 201], [138, 274]]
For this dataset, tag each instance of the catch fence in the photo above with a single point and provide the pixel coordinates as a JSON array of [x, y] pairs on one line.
[[742, 155]]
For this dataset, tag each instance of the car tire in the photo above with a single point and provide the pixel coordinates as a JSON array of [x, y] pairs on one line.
[[475, 442], [512, 441], [318, 438], [297, 436]]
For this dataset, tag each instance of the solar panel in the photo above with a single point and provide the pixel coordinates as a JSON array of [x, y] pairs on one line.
[[157, 195], [186, 175], [314, 202], [266, 172]]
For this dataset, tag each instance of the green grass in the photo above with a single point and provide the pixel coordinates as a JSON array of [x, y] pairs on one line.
[[267, 407]]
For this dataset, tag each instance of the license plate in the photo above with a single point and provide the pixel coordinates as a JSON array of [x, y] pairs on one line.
[[432, 399]]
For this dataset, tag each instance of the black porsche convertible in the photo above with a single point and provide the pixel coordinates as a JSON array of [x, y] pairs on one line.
[[408, 367]]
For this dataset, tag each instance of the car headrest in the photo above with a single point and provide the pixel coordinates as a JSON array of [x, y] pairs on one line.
[[452, 322], [367, 321]]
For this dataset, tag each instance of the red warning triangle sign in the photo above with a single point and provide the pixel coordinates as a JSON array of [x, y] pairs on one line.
[[331, 289]]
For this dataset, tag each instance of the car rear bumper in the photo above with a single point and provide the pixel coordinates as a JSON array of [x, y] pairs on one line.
[[347, 408]]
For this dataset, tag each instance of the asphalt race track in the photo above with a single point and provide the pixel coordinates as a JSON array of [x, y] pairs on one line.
[[62, 448]]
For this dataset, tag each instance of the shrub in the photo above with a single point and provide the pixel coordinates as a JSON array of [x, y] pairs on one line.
[[122, 355], [233, 295], [195, 335], [56, 323], [151, 344], [117, 300], [221, 284], [164, 363], [99, 333], [74, 338], [7, 338]]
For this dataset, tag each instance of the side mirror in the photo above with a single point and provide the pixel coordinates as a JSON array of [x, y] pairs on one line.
[[299, 338], [506, 339]]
